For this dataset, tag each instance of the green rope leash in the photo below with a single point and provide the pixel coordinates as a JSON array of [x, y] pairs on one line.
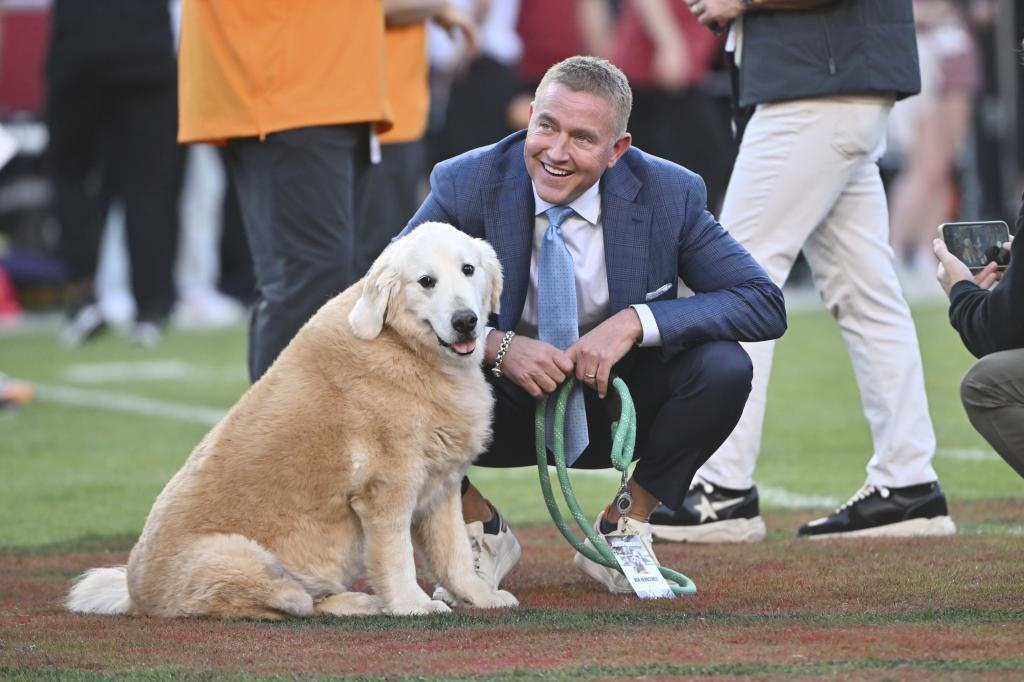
[[623, 442]]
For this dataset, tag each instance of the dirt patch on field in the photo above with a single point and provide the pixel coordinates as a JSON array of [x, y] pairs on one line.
[[855, 609]]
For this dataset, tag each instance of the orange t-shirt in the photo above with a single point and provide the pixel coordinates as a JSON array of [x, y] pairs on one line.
[[253, 67], [408, 89]]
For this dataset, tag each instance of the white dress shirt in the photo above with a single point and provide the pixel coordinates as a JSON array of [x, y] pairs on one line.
[[583, 233]]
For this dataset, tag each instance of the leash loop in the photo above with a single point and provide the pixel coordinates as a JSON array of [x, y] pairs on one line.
[[623, 443]]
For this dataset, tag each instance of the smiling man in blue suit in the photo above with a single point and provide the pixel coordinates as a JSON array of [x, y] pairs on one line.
[[593, 236]]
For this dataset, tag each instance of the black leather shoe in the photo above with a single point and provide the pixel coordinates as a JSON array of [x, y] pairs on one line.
[[877, 511], [711, 514]]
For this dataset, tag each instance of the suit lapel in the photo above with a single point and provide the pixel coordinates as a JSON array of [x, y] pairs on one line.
[[508, 224], [627, 228]]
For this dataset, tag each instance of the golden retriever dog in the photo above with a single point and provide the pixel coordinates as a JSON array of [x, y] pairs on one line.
[[348, 450]]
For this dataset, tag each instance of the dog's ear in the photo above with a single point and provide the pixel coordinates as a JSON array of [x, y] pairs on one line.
[[379, 287], [492, 266]]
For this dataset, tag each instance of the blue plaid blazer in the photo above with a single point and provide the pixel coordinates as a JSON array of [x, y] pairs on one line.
[[656, 229]]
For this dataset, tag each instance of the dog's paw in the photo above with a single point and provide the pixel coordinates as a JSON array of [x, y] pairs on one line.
[[350, 604], [497, 599], [435, 606], [441, 594], [418, 608]]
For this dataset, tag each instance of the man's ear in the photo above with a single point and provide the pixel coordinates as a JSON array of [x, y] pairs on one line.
[[619, 148], [492, 267], [379, 288]]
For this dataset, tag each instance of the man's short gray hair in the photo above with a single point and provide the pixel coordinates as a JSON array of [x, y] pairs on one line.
[[597, 76]]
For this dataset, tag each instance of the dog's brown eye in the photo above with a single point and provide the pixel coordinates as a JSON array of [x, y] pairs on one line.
[[427, 282], [468, 270]]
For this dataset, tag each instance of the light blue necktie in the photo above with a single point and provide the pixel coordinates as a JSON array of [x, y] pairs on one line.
[[558, 324]]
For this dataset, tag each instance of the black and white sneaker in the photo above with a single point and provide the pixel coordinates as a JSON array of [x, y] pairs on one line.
[[877, 511], [711, 514], [82, 325]]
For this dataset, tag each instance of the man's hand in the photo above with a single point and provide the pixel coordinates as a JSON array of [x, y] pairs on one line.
[[988, 276], [597, 351], [453, 18], [991, 273], [715, 13], [671, 65], [951, 269], [538, 367]]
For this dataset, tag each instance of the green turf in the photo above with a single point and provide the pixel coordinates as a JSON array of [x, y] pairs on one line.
[[71, 472]]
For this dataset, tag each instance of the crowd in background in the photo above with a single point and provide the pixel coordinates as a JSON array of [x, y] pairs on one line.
[[945, 159]]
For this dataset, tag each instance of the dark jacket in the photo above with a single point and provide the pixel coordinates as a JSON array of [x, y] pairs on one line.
[[846, 47], [991, 321], [656, 229]]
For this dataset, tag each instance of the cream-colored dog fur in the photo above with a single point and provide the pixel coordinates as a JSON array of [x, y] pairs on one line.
[[350, 448]]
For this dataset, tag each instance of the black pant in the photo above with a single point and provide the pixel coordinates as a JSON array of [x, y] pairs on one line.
[[300, 192], [392, 199], [112, 115], [237, 279], [686, 407], [690, 128]]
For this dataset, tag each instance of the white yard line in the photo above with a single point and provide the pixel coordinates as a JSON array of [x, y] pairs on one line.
[[146, 370], [776, 498], [781, 498], [129, 403], [967, 455]]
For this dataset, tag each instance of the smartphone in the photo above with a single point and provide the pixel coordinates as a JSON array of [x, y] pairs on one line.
[[977, 243]]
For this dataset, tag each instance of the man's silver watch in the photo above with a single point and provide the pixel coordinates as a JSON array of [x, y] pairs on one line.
[[506, 340], [747, 4]]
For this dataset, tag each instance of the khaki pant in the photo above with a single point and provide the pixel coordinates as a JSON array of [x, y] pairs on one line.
[[806, 178], [993, 396]]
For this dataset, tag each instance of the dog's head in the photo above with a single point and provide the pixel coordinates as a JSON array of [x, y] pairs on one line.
[[436, 285]]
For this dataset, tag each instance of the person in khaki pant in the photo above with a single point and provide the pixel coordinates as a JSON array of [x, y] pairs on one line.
[[821, 77]]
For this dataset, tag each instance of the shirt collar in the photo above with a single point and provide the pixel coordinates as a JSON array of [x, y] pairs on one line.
[[586, 205]]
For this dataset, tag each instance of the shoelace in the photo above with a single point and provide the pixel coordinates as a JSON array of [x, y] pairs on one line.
[[478, 548], [866, 491]]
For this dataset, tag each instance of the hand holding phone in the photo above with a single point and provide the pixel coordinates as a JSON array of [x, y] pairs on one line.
[[977, 244]]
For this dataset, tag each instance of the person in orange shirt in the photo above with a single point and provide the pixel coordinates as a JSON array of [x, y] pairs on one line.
[[295, 91]]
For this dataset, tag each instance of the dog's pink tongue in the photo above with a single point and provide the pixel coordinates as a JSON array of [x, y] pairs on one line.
[[465, 347]]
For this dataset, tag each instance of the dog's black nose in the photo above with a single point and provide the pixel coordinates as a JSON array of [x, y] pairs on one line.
[[464, 321]]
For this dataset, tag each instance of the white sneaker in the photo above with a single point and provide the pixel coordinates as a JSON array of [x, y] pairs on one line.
[[494, 555], [610, 577], [145, 334]]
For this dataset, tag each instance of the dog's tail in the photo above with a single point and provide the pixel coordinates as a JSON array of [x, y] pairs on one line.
[[101, 590]]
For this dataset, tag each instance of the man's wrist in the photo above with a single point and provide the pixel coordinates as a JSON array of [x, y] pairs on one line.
[[636, 325], [492, 337]]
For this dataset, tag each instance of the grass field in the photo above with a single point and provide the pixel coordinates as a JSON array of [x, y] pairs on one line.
[[111, 423]]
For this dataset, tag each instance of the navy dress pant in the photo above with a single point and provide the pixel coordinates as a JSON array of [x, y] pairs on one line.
[[686, 406]]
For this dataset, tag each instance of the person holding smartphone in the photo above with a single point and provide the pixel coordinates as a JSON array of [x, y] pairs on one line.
[[991, 324]]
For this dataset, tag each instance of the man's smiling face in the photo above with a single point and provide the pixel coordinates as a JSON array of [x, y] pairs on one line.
[[571, 141]]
